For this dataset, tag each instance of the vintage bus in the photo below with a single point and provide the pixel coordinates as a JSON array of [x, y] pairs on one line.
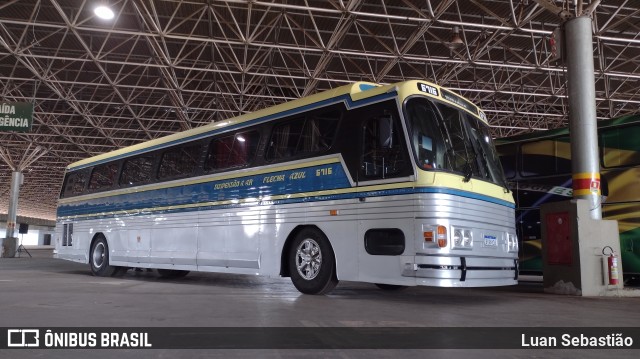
[[538, 168], [397, 185]]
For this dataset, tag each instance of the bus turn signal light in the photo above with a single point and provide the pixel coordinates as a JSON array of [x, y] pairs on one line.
[[442, 236], [428, 236], [438, 236]]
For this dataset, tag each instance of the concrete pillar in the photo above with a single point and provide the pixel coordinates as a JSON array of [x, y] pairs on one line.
[[9, 244], [16, 182], [582, 113], [572, 250]]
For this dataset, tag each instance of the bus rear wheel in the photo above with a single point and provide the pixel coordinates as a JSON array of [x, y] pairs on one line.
[[172, 273], [99, 260], [312, 262]]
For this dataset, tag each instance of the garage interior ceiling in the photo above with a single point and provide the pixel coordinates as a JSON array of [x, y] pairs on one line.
[[164, 66]]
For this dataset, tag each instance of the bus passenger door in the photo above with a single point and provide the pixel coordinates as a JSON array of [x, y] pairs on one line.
[[385, 216]]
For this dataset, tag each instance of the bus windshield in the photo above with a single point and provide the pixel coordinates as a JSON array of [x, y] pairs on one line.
[[446, 138]]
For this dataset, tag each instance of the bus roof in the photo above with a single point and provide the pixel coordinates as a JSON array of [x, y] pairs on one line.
[[355, 92], [614, 122]]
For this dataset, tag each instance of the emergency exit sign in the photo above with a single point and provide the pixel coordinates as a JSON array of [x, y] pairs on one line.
[[16, 116]]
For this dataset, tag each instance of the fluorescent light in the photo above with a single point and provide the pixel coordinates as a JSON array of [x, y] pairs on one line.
[[104, 12]]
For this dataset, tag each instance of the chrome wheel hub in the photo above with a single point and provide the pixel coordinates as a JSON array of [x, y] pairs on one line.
[[98, 255], [308, 259]]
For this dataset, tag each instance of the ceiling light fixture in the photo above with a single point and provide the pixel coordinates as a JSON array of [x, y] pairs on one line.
[[456, 41], [103, 12]]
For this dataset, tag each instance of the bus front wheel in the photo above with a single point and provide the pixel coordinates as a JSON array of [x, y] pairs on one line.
[[99, 260], [312, 262]]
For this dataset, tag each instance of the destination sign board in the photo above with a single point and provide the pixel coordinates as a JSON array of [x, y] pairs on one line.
[[16, 116]]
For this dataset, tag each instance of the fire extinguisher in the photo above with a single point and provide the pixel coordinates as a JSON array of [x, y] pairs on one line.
[[612, 266]]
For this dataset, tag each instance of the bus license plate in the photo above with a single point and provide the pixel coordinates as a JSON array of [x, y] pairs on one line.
[[490, 241]]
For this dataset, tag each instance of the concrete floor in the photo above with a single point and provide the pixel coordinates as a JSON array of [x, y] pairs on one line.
[[45, 292]]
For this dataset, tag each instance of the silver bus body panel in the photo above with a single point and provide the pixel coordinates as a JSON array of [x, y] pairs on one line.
[[250, 239]]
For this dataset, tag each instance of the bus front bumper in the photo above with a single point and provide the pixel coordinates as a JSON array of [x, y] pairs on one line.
[[461, 271]]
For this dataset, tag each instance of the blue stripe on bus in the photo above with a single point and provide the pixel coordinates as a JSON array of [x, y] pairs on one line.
[[399, 191], [365, 87], [342, 98], [297, 181]]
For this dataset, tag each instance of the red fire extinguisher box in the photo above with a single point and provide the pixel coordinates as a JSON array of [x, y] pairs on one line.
[[572, 245]]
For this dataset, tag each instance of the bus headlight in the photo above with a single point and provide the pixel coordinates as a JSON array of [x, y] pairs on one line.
[[467, 239], [512, 243], [462, 238], [457, 237]]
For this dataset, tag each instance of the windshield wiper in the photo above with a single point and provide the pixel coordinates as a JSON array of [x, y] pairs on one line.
[[468, 173], [505, 184], [468, 169]]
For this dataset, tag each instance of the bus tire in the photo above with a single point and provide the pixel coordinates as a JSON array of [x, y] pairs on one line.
[[390, 287], [312, 262], [172, 273], [99, 259]]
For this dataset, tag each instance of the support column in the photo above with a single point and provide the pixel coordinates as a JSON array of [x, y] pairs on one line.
[[16, 182], [574, 235], [10, 242], [582, 113]]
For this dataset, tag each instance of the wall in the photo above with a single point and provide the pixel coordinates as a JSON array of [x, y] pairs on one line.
[[34, 237]]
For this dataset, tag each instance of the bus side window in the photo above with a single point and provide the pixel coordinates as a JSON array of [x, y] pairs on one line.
[[75, 184], [179, 161], [137, 171], [381, 154], [620, 146], [232, 151], [319, 132], [508, 155], [540, 158], [103, 176], [284, 139], [303, 137]]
